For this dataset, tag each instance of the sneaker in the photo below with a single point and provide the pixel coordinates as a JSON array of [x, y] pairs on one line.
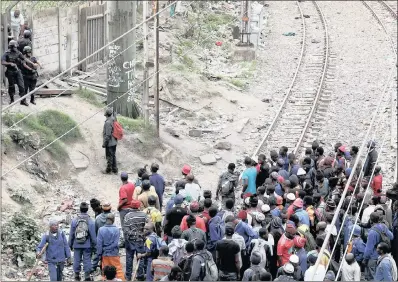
[[33, 102]]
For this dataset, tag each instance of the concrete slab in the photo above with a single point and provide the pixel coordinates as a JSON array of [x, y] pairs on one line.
[[208, 159], [244, 53], [79, 161]]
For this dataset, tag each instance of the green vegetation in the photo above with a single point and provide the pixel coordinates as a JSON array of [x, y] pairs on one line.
[[131, 125], [20, 235], [89, 96], [238, 83], [214, 21], [49, 125]]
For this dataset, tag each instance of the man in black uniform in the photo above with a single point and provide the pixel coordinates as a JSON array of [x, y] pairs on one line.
[[25, 41], [29, 72], [12, 59]]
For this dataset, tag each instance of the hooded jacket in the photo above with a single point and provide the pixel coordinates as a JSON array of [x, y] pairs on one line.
[[216, 232]]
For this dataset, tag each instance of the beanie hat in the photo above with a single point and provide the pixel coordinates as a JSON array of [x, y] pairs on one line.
[[260, 217], [265, 208], [357, 230], [194, 206], [242, 215], [288, 268], [299, 242], [186, 169], [246, 201], [312, 258], [135, 204], [291, 197], [294, 259], [124, 175], [178, 199], [106, 206], [53, 222], [298, 203], [330, 275], [290, 229]]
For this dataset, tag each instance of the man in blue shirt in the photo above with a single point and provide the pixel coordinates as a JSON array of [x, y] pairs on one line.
[[386, 269], [158, 182], [82, 240], [249, 177]]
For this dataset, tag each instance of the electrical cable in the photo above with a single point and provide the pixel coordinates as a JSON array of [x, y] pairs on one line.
[[127, 92], [326, 241], [363, 201], [86, 58]]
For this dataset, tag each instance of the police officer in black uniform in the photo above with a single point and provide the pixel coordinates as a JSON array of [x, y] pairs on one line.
[[12, 60], [29, 72], [25, 41]]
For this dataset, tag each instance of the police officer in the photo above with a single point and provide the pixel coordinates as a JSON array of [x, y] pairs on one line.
[[12, 60], [29, 72], [25, 41]]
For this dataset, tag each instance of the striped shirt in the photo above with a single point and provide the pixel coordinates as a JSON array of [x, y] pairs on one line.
[[161, 267]]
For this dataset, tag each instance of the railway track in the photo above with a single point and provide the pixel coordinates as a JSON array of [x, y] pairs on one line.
[[385, 13], [303, 100]]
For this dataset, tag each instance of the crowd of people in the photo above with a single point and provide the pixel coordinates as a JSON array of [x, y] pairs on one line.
[[266, 224]]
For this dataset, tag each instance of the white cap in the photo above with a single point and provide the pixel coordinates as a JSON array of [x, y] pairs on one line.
[[294, 259], [265, 208], [247, 201], [260, 217], [301, 171], [288, 268], [291, 197]]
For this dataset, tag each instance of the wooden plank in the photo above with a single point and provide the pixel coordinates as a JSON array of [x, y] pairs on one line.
[[54, 92]]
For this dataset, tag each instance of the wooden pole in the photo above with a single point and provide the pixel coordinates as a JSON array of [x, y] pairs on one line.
[[157, 70], [37, 261]]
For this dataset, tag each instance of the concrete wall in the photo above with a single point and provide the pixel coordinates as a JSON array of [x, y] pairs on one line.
[[56, 38]]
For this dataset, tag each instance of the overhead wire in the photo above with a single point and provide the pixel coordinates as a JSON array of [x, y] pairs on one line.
[[89, 56], [88, 118], [363, 201], [327, 238]]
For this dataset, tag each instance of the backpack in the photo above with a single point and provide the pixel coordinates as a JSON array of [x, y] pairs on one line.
[[226, 187], [133, 226], [259, 248], [81, 232], [256, 275], [383, 236], [209, 269], [153, 215], [117, 131], [186, 267], [159, 241], [178, 254], [196, 235], [311, 243]]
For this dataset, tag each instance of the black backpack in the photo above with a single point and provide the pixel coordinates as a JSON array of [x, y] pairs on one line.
[[133, 226], [186, 267], [82, 230], [383, 237]]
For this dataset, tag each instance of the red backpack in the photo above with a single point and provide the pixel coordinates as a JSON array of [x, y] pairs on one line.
[[117, 130]]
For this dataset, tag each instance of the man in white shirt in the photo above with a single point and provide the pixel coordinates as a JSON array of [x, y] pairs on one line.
[[320, 272], [192, 188], [17, 22], [371, 208], [350, 270]]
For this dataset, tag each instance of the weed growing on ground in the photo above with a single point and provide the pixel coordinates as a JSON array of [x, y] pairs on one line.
[[238, 83], [49, 125], [89, 96]]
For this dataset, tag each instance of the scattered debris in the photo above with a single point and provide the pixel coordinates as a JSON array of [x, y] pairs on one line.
[[306, 16], [265, 100], [172, 132], [289, 34], [315, 41]]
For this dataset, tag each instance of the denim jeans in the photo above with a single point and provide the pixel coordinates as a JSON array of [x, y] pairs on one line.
[[79, 256], [133, 248]]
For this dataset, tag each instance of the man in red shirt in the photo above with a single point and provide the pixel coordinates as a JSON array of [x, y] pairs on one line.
[[200, 223], [125, 196], [285, 245], [377, 181]]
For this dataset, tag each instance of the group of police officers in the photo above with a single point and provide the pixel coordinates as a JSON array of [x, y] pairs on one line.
[[21, 67]]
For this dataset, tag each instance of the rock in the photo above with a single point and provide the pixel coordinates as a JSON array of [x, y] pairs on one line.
[[233, 101], [315, 41], [218, 157], [223, 145], [265, 100], [79, 160], [11, 273], [306, 16], [242, 124], [172, 132], [66, 205], [195, 133], [208, 159], [24, 139]]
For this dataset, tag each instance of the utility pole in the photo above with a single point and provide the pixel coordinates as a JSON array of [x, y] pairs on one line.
[[121, 71], [145, 98], [157, 68]]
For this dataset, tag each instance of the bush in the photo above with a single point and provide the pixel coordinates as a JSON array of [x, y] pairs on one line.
[[131, 125], [20, 235], [89, 96]]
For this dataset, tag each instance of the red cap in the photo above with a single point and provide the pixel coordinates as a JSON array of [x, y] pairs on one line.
[[279, 200], [342, 148], [299, 241], [186, 169], [135, 204], [242, 215], [280, 179], [298, 203], [194, 206]]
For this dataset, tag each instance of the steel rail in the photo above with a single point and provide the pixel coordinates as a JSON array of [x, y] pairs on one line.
[[273, 123], [321, 83]]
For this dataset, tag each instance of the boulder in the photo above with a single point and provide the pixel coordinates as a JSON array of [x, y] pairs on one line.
[[223, 145], [195, 133], [208, 159]]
